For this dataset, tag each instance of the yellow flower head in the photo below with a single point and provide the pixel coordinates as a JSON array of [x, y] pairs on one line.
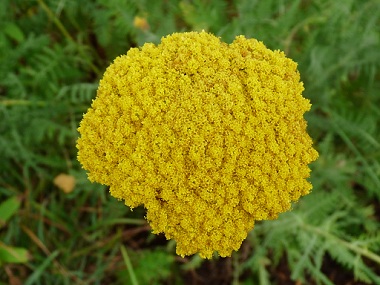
[[208, 136]]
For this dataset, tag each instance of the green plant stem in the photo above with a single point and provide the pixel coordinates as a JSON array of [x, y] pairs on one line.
[[128, 263], [296, 28], [357, 249], [63, 30], [236, 268], [22, 102], [56, 21]]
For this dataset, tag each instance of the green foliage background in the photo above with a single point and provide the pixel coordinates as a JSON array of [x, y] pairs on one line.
[[52, 55]]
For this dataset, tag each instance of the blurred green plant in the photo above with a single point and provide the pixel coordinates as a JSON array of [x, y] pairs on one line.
[[10, 254], [52, 54]]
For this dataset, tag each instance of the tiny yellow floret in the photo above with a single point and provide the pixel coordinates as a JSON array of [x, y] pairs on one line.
[[208, 136]]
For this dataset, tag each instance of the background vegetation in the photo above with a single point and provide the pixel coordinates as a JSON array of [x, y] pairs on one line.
[[52, 55]]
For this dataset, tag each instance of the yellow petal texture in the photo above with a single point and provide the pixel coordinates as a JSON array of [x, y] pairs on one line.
[[208, 136]]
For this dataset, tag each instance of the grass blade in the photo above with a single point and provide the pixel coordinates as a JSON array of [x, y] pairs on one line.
[[128, 264], [40, 269]]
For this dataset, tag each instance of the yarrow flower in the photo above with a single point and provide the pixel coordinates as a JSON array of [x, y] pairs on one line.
[[208, 136]]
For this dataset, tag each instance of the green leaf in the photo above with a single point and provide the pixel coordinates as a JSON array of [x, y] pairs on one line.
[[10, 254], [14, 32], [146, 267], [153, 266], [8, 208]]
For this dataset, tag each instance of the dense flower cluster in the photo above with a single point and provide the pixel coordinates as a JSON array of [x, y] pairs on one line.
[[208, 136]]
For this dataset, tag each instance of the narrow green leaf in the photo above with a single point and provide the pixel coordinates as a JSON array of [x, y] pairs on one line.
[[8, 208], [128, 264], [10, 254], [263, 272]]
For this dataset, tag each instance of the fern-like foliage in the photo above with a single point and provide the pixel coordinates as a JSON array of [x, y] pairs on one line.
[[36, 115], [307, 237], [332, 221]]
